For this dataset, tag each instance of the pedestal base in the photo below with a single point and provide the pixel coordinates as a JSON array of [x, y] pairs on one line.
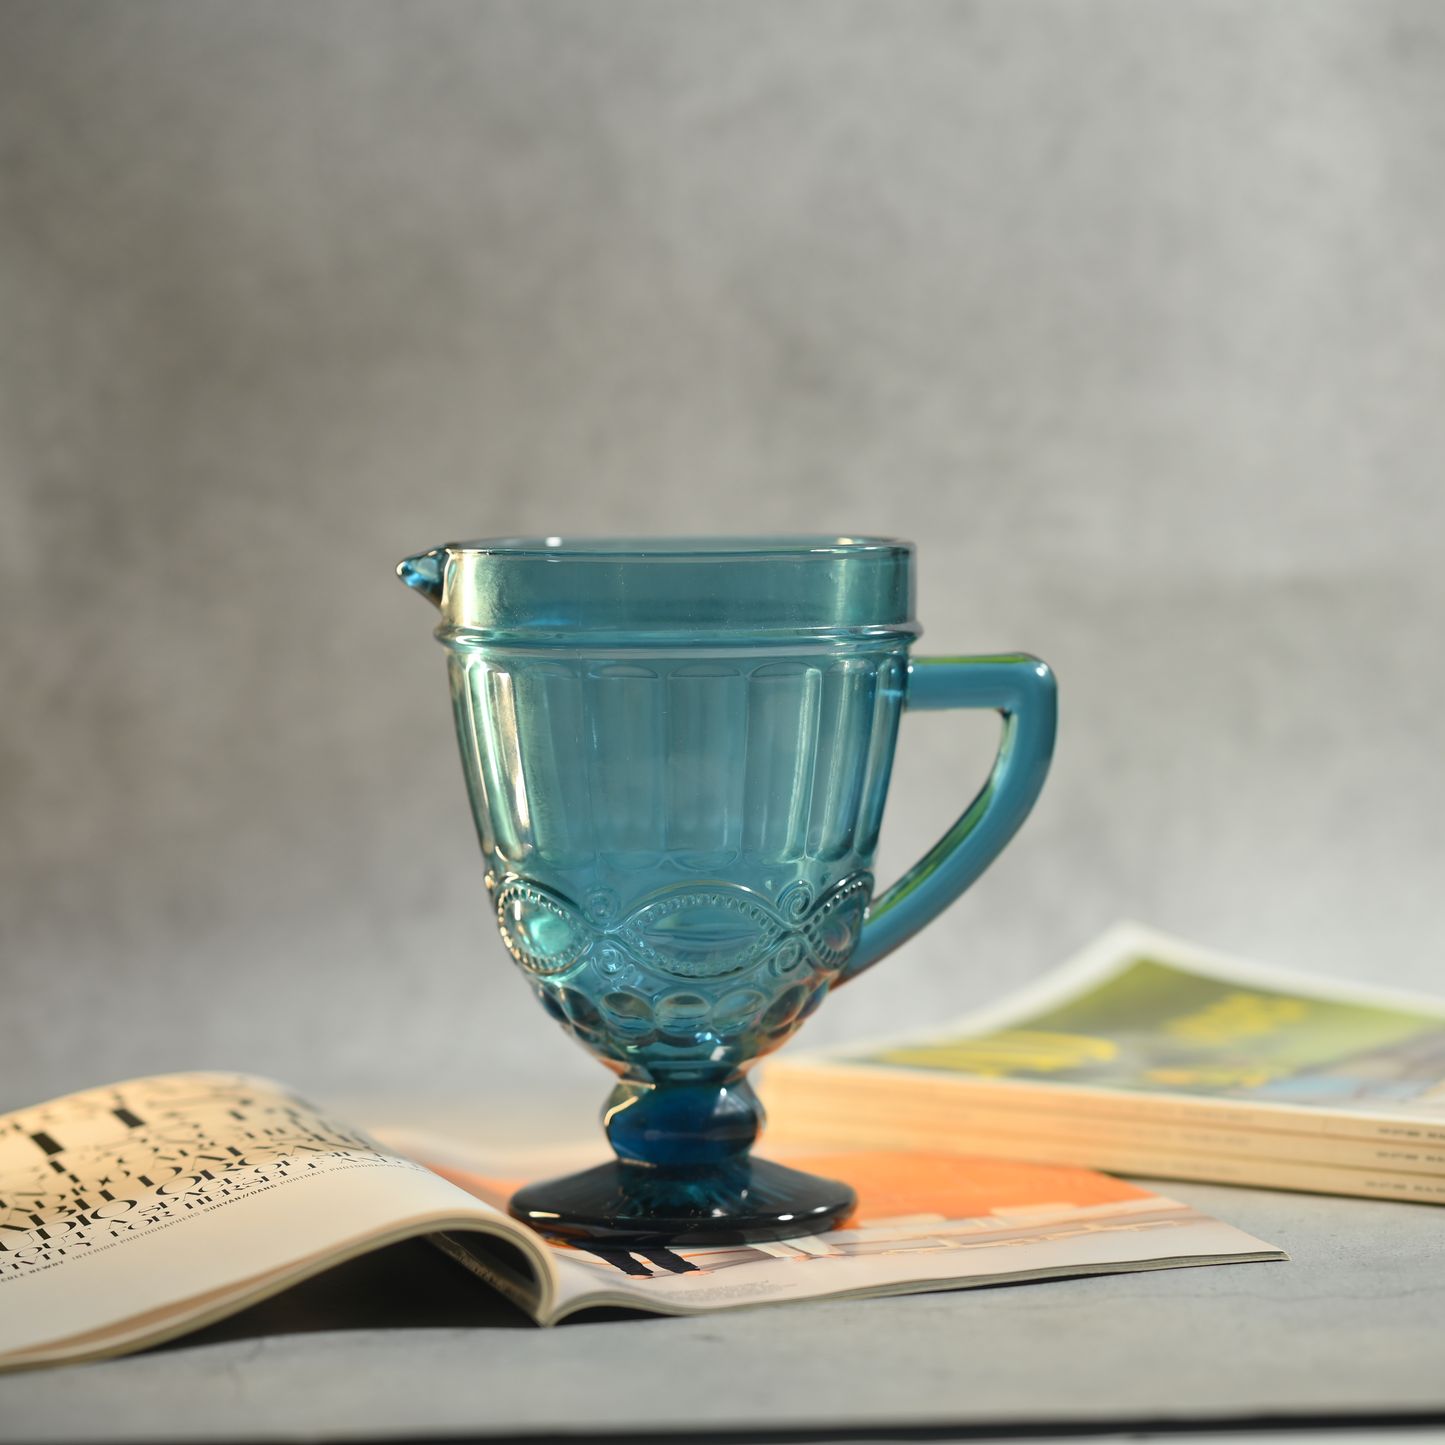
[[638, 1204]]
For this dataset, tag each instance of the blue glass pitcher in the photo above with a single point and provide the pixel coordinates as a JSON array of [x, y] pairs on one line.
[[677, 751]]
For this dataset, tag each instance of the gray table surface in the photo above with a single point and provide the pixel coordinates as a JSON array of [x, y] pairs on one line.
[[1354, 1325]]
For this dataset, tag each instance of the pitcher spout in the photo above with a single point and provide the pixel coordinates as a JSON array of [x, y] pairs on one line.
[[423, 573]]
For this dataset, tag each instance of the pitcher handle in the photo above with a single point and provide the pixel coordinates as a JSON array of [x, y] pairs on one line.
[[1022, 688]]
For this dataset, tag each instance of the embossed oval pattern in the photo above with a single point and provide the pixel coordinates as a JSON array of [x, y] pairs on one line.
[[541, 932], [689, 933], [701, 935]]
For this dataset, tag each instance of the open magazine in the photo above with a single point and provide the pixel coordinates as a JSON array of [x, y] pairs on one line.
[[1147, 1054], [133, 1214]]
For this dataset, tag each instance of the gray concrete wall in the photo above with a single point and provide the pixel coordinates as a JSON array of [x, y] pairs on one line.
[[1130, 314]]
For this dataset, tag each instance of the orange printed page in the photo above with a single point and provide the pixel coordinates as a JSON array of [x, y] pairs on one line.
[[898, 1185]]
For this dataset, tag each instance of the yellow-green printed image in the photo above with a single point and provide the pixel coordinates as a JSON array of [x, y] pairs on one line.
[[1157, 1027]]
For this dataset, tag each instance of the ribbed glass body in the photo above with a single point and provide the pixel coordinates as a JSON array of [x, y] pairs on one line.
[[680, 840], [677, 752]]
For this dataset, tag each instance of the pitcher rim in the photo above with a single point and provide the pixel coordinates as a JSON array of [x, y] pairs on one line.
[[676, 548]]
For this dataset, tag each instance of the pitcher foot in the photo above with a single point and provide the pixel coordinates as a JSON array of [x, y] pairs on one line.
[[737, 1202]]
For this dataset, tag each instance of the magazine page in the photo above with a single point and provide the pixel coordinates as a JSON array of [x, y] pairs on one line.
[[132, 1213], [924, 1221], [1143, 1013]]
